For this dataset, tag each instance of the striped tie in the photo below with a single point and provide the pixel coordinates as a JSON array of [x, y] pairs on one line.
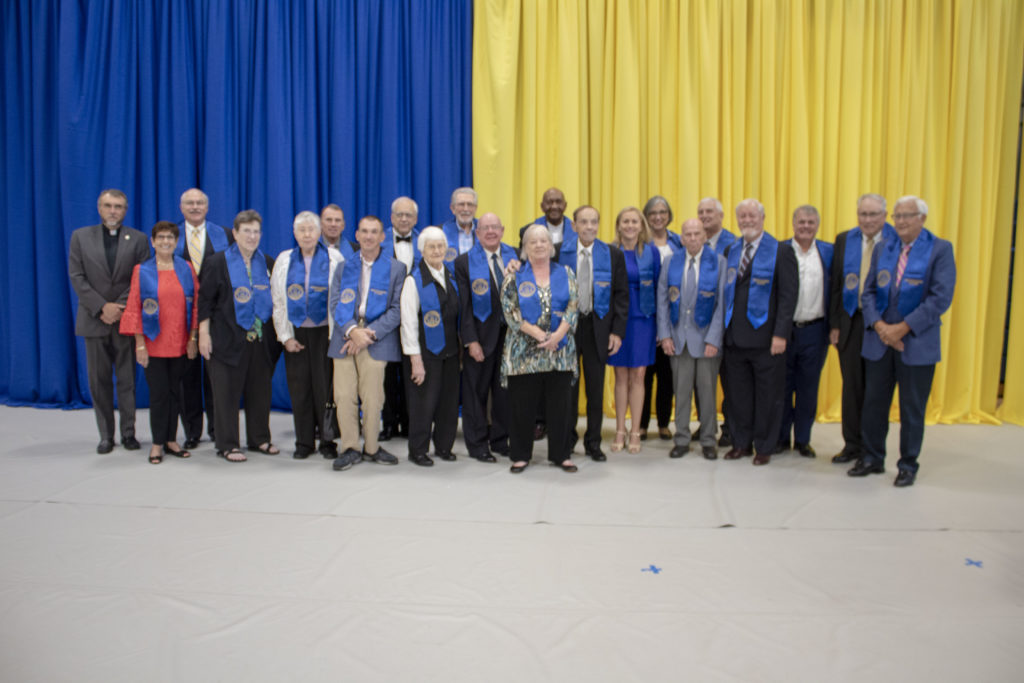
[[745, 263], [195, 249], [902, 264]]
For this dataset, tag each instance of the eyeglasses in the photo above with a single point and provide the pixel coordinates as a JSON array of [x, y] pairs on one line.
[[194, 202], [905, 216], [404, 214], [658, 212]]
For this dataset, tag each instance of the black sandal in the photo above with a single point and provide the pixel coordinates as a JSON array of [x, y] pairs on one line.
[[568, 467], [177, 454], [156, 459], [234, 451], [266, 449]]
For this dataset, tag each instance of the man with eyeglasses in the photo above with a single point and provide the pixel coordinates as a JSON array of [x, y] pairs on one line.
[[198, 239], [909, 287], [850, 264], [401, 244], [461, 232]]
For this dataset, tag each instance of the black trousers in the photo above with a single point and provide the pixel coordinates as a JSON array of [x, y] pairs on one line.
[[105, 357], [915, 382], [196, 393], [480, 380], [396, 411], [250, 380], [592, 371], [805, 356], [662, 368], [164, 378], [757, 381], [851, 367], [309, 384], [523, 391], [437, 404]]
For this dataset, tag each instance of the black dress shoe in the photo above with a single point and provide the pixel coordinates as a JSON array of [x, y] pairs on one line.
[[737, 453], [329, 450], [130, 443], [190, 444], [422, 459], [843, 457], [540, 430], [447, 457], [905, 478], [105, 446], [710, 453], [484, 457], [301, 453], [596, 454], [805, 450], [695, 437], [386, 433], [678, 451], [762, 458], [346, 460], [381, 457], [862, 469]]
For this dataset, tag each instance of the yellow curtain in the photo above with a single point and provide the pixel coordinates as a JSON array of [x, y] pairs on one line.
[[788, 101], [1012, 408]]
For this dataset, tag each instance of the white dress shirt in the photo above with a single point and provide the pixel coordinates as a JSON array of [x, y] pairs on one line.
[[403, 250], [411, 311], [810, 299]]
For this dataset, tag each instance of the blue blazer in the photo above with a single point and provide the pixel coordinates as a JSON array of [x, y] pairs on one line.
[[685, 333], [922, 345], [387, 346]]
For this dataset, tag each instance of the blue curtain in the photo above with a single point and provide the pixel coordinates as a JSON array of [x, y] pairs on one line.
[[277, 106]]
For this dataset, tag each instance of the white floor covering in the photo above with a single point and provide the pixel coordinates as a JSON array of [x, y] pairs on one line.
[[280, 570]]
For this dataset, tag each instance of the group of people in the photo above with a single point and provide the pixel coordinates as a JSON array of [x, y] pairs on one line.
[[390, 334]]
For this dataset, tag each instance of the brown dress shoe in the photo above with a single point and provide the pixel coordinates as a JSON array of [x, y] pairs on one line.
[[762, 458], [737, 453]]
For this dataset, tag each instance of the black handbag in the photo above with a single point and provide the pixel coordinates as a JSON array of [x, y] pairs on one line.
[[330, 422]]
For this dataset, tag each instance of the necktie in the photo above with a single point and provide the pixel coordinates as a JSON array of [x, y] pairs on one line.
[[748, 253], [584, 285], [407, 238], [498, 277], [865, 262], [691, 281], [195, 249], [902, 264]]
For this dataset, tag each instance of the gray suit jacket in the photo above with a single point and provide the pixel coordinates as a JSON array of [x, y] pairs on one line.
[[91, 278], [685, 333]]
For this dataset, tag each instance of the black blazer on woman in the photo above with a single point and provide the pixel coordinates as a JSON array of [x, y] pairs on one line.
[[217, 303]]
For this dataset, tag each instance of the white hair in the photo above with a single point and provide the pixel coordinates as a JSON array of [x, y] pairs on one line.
[[921, 206], [415, 206], [718, 204], [304, 217], [431, 233], [871, 195], [752, 202], [537, 228], [194, 189], [465, 190]]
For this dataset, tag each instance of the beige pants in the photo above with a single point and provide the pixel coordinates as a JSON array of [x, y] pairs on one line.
[[359, 378]]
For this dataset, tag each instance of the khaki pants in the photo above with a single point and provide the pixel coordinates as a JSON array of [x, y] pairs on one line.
[[359, 378]]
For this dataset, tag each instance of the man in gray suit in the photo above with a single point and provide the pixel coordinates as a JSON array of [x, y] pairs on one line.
[[690, 315], [100, 263]]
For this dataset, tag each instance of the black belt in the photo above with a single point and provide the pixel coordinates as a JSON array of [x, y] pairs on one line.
[[806, 323]]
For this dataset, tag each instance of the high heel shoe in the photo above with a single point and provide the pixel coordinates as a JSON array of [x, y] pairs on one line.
[[634, 442], [619, 443]]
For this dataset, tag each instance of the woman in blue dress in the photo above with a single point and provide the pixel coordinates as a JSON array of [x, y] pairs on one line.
[[643, 264]]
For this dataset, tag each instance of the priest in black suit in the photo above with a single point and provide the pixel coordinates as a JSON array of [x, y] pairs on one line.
[[761, 288]]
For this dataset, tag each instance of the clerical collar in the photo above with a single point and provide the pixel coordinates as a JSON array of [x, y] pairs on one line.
[[112, 231]]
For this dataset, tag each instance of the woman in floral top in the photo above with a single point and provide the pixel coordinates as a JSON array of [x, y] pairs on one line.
[[539, 357]]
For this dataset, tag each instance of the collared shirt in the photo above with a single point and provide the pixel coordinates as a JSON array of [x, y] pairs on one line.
[[490, 262], [465, 238], [810, 299], [364, 282], [743, 246], [714, 240], [403, 250], [410, 327], [557, 231]]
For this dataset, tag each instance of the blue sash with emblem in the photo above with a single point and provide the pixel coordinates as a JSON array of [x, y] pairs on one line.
[[216, 234], [645, 264], [707, 285], [480, 278], [149, 284], [911, 289], [312, 304], [430, 307], [376, 299], [762, 272], [725, 238], [252, 297], [602, 278], [851, 265], [529, 298], [451, 232]]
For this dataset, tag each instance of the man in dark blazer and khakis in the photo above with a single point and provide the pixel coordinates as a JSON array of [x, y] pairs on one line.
[[100, 263]]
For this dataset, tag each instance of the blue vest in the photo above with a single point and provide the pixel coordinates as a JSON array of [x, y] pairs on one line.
[[430, 307], [480, 278], [252, 299], [851, 265], [762, 272], [707, 285], [149, 287], [376, 299], [529, 298], [645, 264], [216, 234], [451, 232], [312, 304], [911, 289]]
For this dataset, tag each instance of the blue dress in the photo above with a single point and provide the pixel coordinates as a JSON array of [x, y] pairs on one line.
[[637, 350]]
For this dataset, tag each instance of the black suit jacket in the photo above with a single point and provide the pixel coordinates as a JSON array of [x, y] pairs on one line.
[[614, 321], [489, 333], [217, 304], [838, 318], [782, 302]]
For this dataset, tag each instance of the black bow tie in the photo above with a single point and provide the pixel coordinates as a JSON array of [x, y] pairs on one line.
[[407, 238]]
